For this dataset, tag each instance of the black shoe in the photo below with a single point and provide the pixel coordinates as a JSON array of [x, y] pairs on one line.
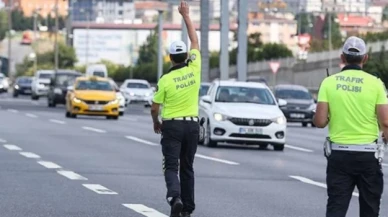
[[176, 207], [185, 214]]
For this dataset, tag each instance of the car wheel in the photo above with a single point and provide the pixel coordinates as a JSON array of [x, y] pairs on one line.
[[263, 146], [279, 147], [34, 97], [68, 115], [121, 113], [304, 124], [312, 124], [208, 141], [115, 117], [15, 95], [50, 103]]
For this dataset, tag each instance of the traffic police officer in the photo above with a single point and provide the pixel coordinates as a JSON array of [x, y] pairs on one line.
[[353, 103], [178, 92]]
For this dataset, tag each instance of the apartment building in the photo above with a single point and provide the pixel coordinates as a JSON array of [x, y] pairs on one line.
[[348, 6], [45, 7], [103, 11]]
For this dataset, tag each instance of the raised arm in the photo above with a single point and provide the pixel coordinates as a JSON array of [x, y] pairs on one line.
[[184, 11], [382, 109]]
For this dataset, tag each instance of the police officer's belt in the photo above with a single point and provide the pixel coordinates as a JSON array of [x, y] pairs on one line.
[[182, 119], [372, 147]]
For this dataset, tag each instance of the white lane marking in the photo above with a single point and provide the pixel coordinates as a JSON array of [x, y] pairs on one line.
[[141, 140], [216, 159], [13, 110], [144, 210], [94, 129], [57, 121], [298, 148], [99, 189], [31, 115], [311, 182], [3, 140], [12, 147], [29, 155], [129, 118], [49, 165], [71, 175]]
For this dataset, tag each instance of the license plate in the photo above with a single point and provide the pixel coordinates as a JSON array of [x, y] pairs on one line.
[[251, 131], [27, 91], [297, 115], [96, 107]]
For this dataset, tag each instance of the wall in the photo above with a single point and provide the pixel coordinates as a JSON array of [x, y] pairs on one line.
[[309, 73]]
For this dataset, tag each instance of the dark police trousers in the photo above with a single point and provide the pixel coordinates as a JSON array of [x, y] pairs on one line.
[[347, 169], [179, 145]]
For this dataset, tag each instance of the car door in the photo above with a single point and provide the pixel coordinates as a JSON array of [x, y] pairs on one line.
[[204, 107]]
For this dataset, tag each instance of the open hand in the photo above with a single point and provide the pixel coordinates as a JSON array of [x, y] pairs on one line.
[[183, 8], [158, 128]]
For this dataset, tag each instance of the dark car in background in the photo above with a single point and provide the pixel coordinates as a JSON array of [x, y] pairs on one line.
[[58, 86], [300, 103], [203, 89], [22, 86]]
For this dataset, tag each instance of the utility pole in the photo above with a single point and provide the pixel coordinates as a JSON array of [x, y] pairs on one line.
[[242, 60], [69, 22], [56, 36], [10, 8], [224, 54], [87, 37], [35, 24], [205, 17], [330, 40], [160, 45]]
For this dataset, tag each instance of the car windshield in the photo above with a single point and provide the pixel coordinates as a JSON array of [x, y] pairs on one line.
[[65, 80], [137, 85], [293, 94], [45, 75], [24, 81], [244, 95], [203, 90], [94, 85], [99, 73]]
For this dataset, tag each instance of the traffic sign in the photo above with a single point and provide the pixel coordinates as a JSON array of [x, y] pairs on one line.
[[274, 66]]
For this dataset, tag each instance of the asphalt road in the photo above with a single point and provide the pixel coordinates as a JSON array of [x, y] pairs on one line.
[[54, 166]]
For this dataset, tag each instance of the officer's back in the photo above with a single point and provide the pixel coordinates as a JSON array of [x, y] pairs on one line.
[[354, 94]]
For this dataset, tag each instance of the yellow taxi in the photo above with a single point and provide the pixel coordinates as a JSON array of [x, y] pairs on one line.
[[93, 96]]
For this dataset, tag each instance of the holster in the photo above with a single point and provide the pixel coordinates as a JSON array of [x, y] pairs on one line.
[[381, 147], [327, 147]]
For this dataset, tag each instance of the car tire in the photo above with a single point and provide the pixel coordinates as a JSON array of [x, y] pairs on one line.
[[304, 124], [207, 140], [121, 113], [50, 103], [68, 115], [263, 146], [15, 95], [312, 124], [34, 97], [278, 147], [115, 117]]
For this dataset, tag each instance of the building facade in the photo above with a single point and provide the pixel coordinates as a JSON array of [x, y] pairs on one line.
[[103, 11], [45, 7], [348, 6]]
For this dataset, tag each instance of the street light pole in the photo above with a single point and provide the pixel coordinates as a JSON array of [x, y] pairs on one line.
[[10, 7], [330, 41], [56, 36], [87, 38], [160, 45], [35, 23]]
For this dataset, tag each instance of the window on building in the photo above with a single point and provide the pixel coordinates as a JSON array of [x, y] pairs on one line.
[[120, 2], [120, 12]]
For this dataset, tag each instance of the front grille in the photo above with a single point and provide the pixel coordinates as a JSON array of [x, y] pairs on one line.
[[297, 106], [250, 122], [94, 102]]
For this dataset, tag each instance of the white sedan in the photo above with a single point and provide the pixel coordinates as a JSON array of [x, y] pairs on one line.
[[243, 113]]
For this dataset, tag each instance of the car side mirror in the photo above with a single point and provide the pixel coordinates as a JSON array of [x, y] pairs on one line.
[[282, 102], [70, 88], [153, 89], [206, 99], [315, 101]]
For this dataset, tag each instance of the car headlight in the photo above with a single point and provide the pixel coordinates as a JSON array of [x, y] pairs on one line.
[[40, 86], [147, 94], [220, 117], [57, 91], [280, 120], [312, 107], [16, 86], [132, 94], [115, 101], [76, 100]]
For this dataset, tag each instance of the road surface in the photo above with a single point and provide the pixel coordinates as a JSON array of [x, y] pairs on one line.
[[54, 166]]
